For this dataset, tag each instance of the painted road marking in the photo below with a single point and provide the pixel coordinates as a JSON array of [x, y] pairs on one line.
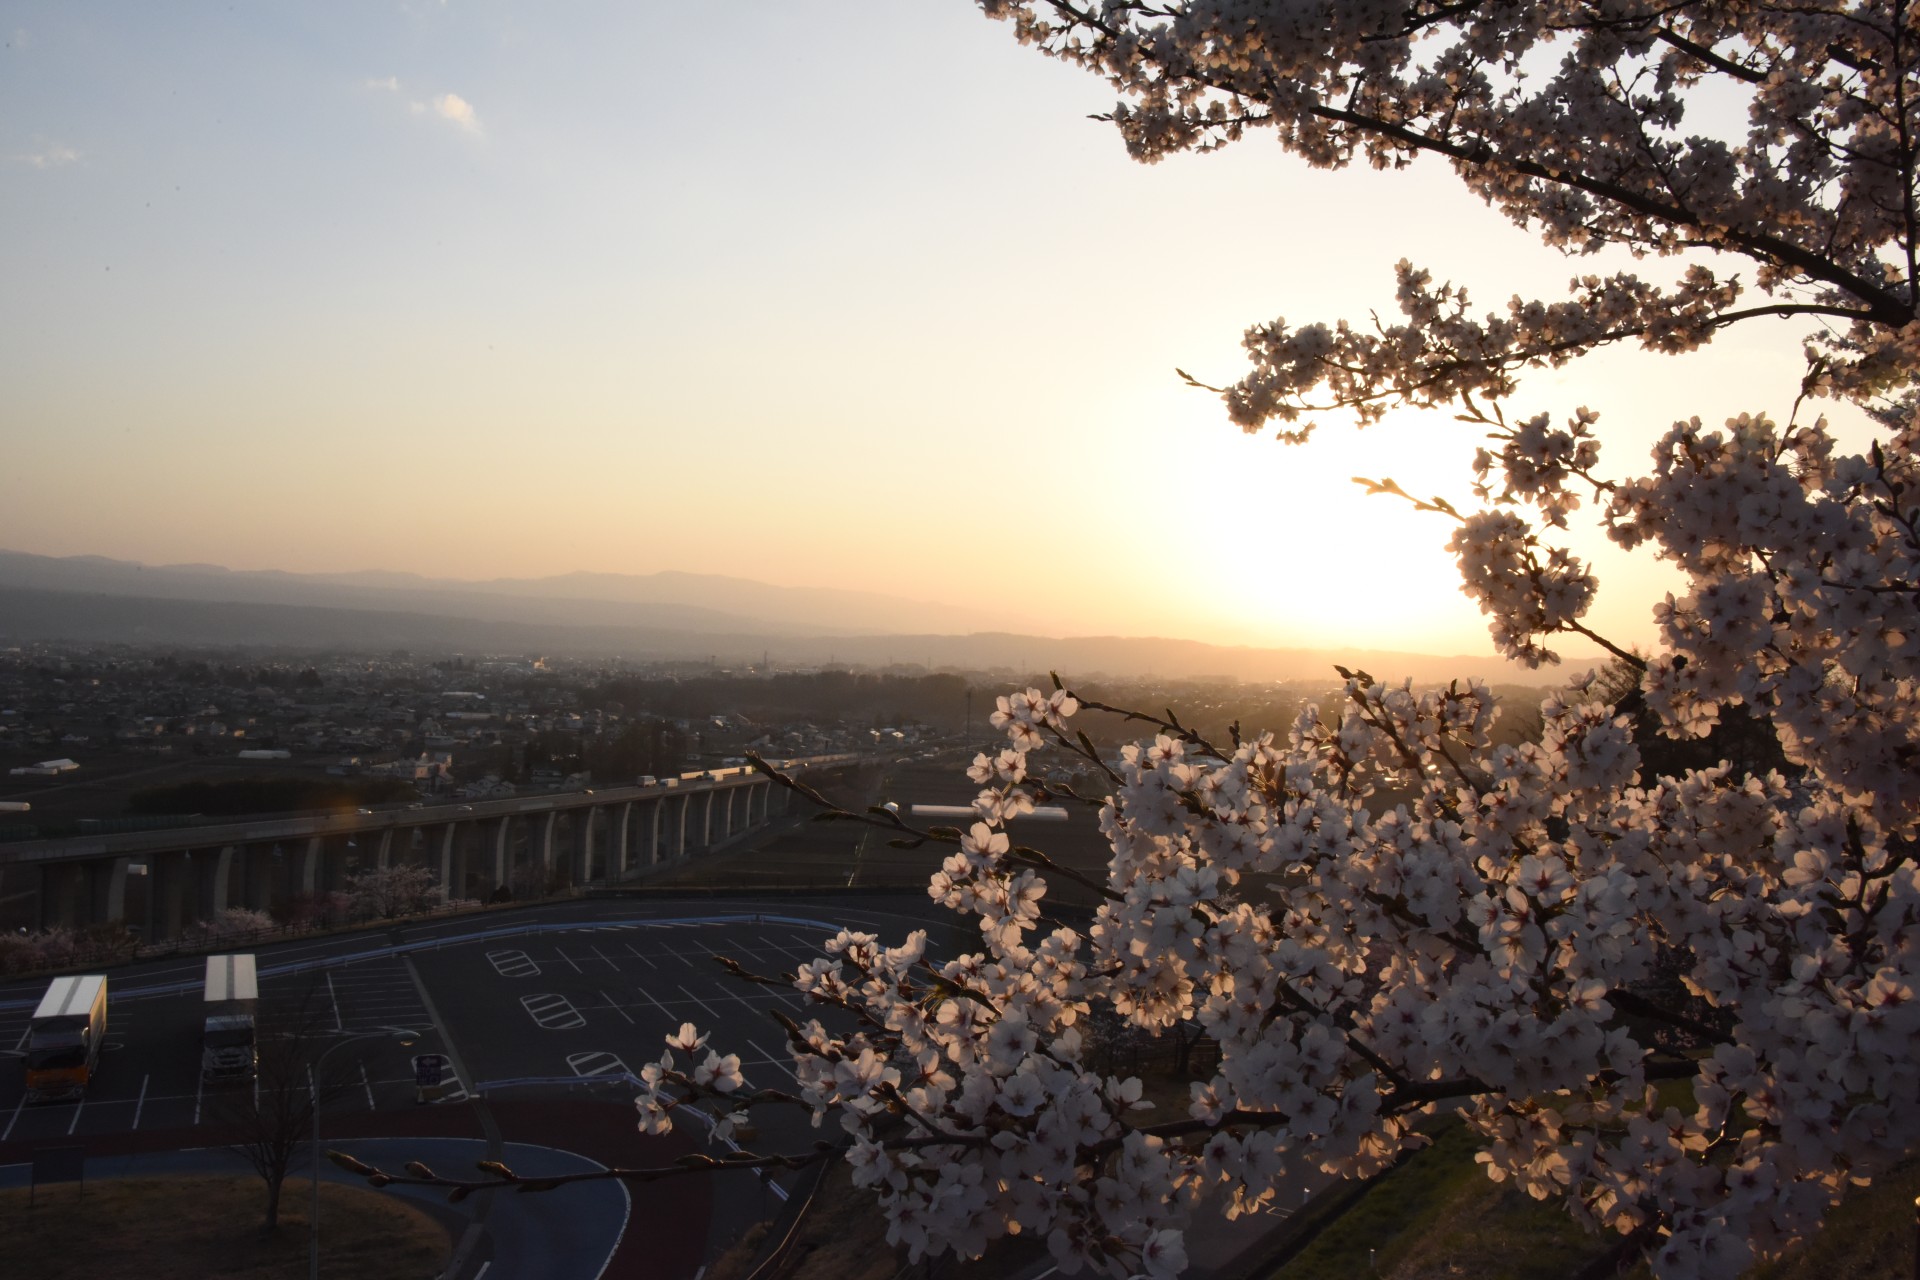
[[775, 1060], [656, 1004], [199, 1085], [597, 1064], [616, 1008], [610, 964], [334, 997], [140, 1105], [367, 1085], [702, 1003], [513, 964], [16, 1118], [78, 1107], [569, 959], [641, 955], [552, 1012]]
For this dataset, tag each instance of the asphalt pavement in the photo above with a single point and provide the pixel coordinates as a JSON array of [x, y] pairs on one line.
[[544, 1013]]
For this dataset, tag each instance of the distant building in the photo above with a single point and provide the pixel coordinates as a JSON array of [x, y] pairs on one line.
[[45, 769]]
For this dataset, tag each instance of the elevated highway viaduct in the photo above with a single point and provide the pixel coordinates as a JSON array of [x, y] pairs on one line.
[[161, 882]]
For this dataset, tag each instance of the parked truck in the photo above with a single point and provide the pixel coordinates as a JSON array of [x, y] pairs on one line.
[[228, 1052], [64, 1038]]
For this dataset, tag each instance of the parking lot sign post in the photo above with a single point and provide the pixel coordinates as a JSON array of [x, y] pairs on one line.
[[58, 1164], [428, 1071]]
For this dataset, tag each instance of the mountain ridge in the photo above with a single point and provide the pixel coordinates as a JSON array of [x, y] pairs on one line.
[[28, 615]]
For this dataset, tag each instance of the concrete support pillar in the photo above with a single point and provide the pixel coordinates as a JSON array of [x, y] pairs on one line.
[[443, 846], [549, 828], [49, 910], [310, 865], [654, 810], [502, 844], [579, 846], [222, 881], [385, 847], [680, 827], [172, 894], [117, 890], [706, 821], [253, 870], [622, 841]]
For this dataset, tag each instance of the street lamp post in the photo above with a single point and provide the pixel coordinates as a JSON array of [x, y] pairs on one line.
[[405, 1037]]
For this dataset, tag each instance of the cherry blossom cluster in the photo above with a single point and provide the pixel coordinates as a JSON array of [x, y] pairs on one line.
[[1383, 916], [1583, 123], [1486, 940], [1681, 1000]]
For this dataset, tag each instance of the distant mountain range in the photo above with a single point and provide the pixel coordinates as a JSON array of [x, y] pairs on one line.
[[680, 601], [658, 616]]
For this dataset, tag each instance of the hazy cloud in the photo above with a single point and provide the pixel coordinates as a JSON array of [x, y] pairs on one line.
[[389, 83], [53, 155], [20, 39], [452, 108]]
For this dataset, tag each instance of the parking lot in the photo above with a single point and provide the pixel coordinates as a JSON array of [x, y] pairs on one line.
[[149, 1073], [585, 993]]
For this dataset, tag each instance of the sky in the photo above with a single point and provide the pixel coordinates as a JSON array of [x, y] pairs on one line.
[[846, 294]]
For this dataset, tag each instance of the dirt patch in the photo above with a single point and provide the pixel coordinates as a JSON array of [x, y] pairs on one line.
[[188, 1227]]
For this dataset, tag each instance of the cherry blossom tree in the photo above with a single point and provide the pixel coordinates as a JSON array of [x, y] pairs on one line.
[[1679, 1000]]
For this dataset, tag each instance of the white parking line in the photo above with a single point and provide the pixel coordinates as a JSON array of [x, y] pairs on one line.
[[141, 1104], [513, 964], [616, 1008], [597, 1063], [333, 996], [776, 1060], [367, 1085], [656, 1004], [16, 1118], [199, 1085], [569, 959], [552, 1012], [641, 955], [78, 1107], [702, 1003], [610, 964]]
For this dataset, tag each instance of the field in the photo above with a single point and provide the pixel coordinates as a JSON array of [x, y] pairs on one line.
[[187, 1227]]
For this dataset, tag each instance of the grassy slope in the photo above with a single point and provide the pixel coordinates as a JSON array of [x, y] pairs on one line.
[[189, 1227], [1439, 1216]]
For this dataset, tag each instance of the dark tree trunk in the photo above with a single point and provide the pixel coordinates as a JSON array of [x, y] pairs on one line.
[[273, 1204]]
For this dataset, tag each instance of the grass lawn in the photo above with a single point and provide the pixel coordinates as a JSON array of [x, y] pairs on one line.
[[1438, 1215], [1869, 1237], [187, 1227]]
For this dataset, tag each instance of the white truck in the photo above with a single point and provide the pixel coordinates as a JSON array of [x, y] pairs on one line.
[[64, 1038], [228, 1053]]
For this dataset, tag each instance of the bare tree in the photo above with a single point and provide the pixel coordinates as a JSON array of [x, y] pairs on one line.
[[270, 1120]]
